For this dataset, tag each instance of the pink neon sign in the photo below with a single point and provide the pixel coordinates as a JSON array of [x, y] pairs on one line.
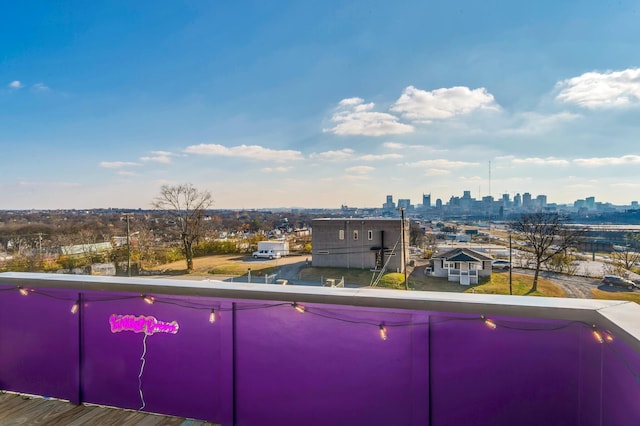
[[141, 324]]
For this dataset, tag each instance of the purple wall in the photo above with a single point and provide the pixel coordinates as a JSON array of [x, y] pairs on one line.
[[39, 344], [266, 364]]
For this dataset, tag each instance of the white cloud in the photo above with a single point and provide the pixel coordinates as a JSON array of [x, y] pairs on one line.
[[159, 157], [533, 123], [440, 163], [354, 117], [598, 90], [342, 154], [117, 164], [437, 172], [125, 173], [400, 146], [380, 157], [39, 87], [15, 84], [253, 152], [393, 145], [275, 169], [608, 161], [360, 169], [424, 106], [549, 161]]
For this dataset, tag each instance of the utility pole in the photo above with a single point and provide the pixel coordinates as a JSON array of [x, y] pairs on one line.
[[404, 251], [510, 266], [127, 215]]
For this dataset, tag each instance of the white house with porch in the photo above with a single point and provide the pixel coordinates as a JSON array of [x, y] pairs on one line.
[[461, 265]]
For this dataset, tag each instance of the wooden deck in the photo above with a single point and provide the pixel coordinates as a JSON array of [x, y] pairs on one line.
[[16, 409]]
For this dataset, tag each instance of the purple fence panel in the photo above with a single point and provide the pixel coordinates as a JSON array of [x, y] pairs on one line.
[[180, 371], [503, 376], [620, 385], [330, 365], [39, 343]]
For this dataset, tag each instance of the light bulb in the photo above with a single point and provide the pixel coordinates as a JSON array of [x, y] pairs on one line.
[[23, 291], [75, 307], [298, 308], [212, 316], [597, 336], [383, 332], [148, 299], [489, 323]]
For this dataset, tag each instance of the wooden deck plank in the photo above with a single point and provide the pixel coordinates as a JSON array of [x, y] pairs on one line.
[[41, 413], [17, 405], [16, 409]]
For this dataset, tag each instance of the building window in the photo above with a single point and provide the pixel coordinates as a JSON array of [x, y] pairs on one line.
[[447, 265], [355, 235], [370, 235], [341, 234]]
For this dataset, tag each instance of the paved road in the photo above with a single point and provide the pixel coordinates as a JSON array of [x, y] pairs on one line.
[[573, 286]]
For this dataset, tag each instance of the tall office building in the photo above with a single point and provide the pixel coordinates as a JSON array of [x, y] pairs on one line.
[[426, 201]]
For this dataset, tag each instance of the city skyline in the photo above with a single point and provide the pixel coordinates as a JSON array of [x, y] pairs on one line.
[[317, 105]]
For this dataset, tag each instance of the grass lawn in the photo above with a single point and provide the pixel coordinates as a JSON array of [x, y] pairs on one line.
[[521, 284], [498, 284], [631, 296], [228, 265]]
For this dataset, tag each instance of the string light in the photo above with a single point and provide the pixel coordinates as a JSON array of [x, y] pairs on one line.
[[298, 307], [383, 332], [608, 337], [597, 335], [601, 336], [489, 323]]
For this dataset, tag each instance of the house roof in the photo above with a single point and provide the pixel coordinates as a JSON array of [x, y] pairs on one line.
[[462, 255]]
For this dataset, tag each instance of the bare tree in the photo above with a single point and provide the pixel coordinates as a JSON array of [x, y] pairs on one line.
[[546, 235], [625, 258], [187, 205]]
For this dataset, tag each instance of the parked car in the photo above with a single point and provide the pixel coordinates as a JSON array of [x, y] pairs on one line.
[[614, 280], [270, 254], [500, 264]]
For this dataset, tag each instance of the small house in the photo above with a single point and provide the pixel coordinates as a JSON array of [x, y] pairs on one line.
[[461, 265]]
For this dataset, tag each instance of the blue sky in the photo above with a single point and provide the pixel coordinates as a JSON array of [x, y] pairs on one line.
[[317, 103]]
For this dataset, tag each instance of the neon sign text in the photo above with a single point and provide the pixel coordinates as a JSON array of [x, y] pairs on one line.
[[141, 324]]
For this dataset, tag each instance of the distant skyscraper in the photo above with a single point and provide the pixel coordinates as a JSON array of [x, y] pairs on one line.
[[404, 203], [438, 203], [389, 205], [541, 200], [526, 200], [426, 201], [466, 195], [590, 202], [517, 200]]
